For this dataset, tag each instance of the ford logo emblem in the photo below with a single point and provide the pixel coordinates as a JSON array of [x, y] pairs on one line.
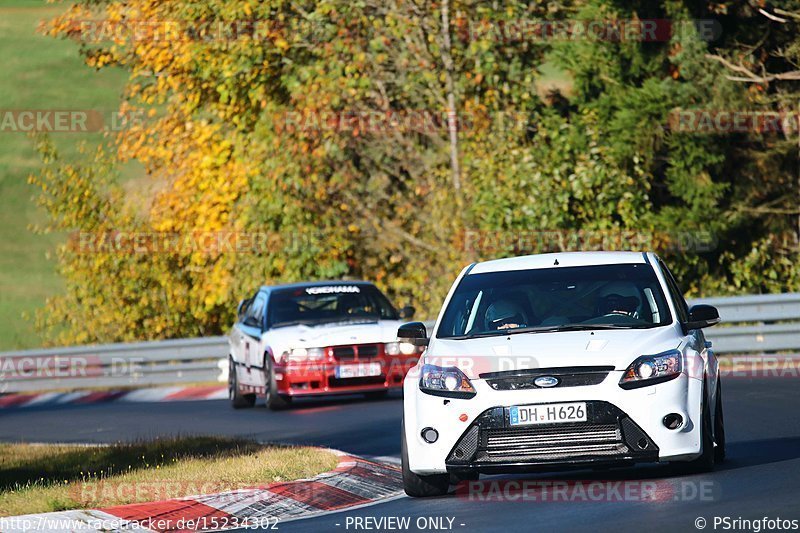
[[546, 382]]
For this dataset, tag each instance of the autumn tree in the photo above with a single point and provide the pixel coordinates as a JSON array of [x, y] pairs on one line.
[[373, 139]]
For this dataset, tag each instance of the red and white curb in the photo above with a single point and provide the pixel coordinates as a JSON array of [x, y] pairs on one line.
[[157, 394], [355, 482]]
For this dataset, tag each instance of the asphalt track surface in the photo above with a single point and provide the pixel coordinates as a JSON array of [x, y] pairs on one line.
[[761, 477]]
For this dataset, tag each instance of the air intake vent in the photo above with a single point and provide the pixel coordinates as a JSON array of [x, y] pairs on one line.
[[553, 443]]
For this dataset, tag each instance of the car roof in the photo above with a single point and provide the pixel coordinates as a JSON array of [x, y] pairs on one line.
[[324, 283], [565, 259]]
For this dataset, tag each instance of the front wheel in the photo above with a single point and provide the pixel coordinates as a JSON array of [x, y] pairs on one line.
[[421, 486], [273, 400], [238, 400]]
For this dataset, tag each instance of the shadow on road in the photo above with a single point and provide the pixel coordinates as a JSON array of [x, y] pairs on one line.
[[740, 455]]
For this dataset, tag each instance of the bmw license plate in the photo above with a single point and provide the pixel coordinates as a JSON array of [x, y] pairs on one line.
[[360, 370], [553, 413]]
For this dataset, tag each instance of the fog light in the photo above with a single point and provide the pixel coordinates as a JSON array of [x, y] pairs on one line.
[[673, 421], [430, 435]]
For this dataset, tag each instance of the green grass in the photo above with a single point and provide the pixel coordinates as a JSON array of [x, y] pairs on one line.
[[43, 478], [39, 72]]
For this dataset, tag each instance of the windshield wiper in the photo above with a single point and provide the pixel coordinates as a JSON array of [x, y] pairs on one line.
[[291, 323], [326, 321], [587, 327], [360, 320], [540, 329]]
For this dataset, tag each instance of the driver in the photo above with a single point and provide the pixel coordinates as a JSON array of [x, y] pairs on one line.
[[618, 299], [505, 314]]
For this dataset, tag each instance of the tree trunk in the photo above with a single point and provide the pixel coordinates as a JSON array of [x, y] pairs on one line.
[[452, 118]]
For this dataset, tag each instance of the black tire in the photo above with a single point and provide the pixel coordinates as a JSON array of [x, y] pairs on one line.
[[705, 463], [720, 450], [273, 400], [376, 394], [238, 400], [421, 486]]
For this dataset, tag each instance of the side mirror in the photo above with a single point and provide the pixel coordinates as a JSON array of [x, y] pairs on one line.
[[701, 316], [407, 312], [413, 332]]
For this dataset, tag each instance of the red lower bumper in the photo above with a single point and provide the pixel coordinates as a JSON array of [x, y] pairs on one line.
[[312, 378]]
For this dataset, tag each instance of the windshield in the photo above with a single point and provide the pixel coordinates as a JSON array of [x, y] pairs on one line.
[[554, 299], [328, 303]]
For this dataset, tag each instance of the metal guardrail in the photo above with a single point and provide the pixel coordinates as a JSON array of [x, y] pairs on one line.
[[750, 324], [763, 323], [134, 364]]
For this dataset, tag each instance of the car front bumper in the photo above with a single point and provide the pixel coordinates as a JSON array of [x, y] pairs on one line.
[[622, 427], [313, 378]]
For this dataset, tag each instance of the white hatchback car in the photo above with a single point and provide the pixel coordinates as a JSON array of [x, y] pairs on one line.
[[565, 360]]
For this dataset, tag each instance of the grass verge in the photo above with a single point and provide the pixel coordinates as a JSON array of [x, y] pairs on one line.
[[38, 478]]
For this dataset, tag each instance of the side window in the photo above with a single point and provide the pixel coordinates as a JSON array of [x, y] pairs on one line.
[[244, 310], [256, 309], [676, 294]]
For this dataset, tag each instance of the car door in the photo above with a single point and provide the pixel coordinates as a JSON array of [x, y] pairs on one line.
[[251, 328], [237, 337]]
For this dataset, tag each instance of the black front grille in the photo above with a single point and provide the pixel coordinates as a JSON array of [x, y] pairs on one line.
[[367, 350], [607, 435], [567, 377], [361, 350], [344, 352]]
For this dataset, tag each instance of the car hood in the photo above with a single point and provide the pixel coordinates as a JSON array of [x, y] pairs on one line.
[[337, 334], [612, 348]]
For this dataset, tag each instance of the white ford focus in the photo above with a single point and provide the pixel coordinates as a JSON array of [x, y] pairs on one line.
[[566, 360]]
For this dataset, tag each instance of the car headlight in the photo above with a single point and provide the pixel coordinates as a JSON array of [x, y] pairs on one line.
[[392, 348], [449, 382], [397, 348], [652, 369], [406, 348], [306, 354]]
